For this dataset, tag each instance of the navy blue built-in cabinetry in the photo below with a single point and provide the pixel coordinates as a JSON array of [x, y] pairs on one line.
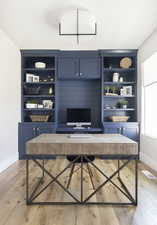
[[130, 130], [73, 65], [28, 131], [76, 79]]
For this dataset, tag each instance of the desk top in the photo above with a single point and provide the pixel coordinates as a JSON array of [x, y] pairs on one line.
[[98, 144]]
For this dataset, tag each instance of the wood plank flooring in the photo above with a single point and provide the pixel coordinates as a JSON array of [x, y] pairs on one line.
[[14, 211]]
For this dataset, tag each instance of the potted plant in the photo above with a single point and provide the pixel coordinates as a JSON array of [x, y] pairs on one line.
[[123, 104], [107, 89]]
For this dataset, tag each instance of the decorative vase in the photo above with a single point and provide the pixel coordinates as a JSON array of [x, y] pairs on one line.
[[115, 77], [124, 106]]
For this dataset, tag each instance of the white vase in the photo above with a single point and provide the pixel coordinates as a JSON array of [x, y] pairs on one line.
[[115, 77], [124, 106]]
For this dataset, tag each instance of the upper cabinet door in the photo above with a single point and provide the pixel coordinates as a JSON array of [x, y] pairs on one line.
[[89, 67], [68, 68]]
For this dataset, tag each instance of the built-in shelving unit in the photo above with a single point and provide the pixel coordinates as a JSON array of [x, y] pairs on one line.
[[76, 79], [112, 97], [38, 93]]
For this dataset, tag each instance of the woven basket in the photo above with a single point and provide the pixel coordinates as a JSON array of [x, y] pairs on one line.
[[31, 90], [119, 118], [39, 118], [125, 62]]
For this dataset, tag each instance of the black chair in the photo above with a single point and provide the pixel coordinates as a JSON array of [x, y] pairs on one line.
[[77, 163]]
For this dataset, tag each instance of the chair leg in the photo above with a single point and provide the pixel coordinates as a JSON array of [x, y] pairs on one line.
[[90, 175], [70, 176]]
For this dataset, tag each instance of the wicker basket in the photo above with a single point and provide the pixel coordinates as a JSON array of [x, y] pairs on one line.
[[39, 118], [31, 90], [119, 118]]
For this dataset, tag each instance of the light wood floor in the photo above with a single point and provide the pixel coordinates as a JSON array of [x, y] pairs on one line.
[[14, 211]]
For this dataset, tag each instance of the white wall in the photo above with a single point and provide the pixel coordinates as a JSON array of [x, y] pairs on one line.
[[9, 101], [148, 145]]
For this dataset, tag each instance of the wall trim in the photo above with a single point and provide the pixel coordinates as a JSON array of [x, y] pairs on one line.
[[6, 163], [148, 160]]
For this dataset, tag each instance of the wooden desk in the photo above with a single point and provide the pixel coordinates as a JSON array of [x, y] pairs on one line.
[[96, 144], [110, 146]]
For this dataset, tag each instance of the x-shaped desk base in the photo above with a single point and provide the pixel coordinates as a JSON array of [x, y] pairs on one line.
[[81, 200]]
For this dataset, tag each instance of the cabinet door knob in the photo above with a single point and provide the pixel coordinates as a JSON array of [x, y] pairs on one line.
[[81, 74], [34, 131], [119, 129], [77, 74]]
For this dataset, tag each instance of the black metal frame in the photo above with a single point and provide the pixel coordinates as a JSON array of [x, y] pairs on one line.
[[77, 28], [123, 189]]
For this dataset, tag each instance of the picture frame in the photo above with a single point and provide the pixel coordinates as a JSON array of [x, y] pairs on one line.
[[35, 79], [122, 92], [29, 77], [48, 104], [128, 90]]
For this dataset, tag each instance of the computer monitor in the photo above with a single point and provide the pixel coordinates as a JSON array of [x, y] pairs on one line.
[[78, 116]]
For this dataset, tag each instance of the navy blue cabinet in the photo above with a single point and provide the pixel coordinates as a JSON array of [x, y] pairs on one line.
[[75, 66], [68, 68], [130, 130], [28, 131], [89, 68]]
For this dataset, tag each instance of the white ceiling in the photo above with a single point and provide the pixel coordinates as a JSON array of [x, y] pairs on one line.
[[121, 23]]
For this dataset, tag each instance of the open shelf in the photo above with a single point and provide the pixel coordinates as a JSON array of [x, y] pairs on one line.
[[39, 69], [38, 83], [39, 96], [118, 69], [118, 83], [119, 96], [36, 109], [128, 109]]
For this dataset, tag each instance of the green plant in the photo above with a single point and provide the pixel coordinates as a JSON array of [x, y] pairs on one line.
[[107, 88], [123, 102], [32, 101]]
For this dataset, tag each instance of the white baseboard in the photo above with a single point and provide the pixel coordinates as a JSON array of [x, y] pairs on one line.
[[5, 164], [148, 160]]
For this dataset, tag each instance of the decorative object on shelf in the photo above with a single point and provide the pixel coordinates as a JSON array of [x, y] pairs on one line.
[[115, 77], [125, 62], [123, 104], [107, 107], [41, 65], [39, 118], [50, 91], [48, 104], [31, 90], [50, 78], [78, 14], [119, 118], [107, 89], [35, 78], [40, 106], [31, 106], [29, 77], [126, 91], [121, 79]]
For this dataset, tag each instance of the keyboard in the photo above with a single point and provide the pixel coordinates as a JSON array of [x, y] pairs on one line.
[[80, 136]]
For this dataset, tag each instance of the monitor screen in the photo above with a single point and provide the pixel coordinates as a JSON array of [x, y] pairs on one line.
[[78, 115]]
